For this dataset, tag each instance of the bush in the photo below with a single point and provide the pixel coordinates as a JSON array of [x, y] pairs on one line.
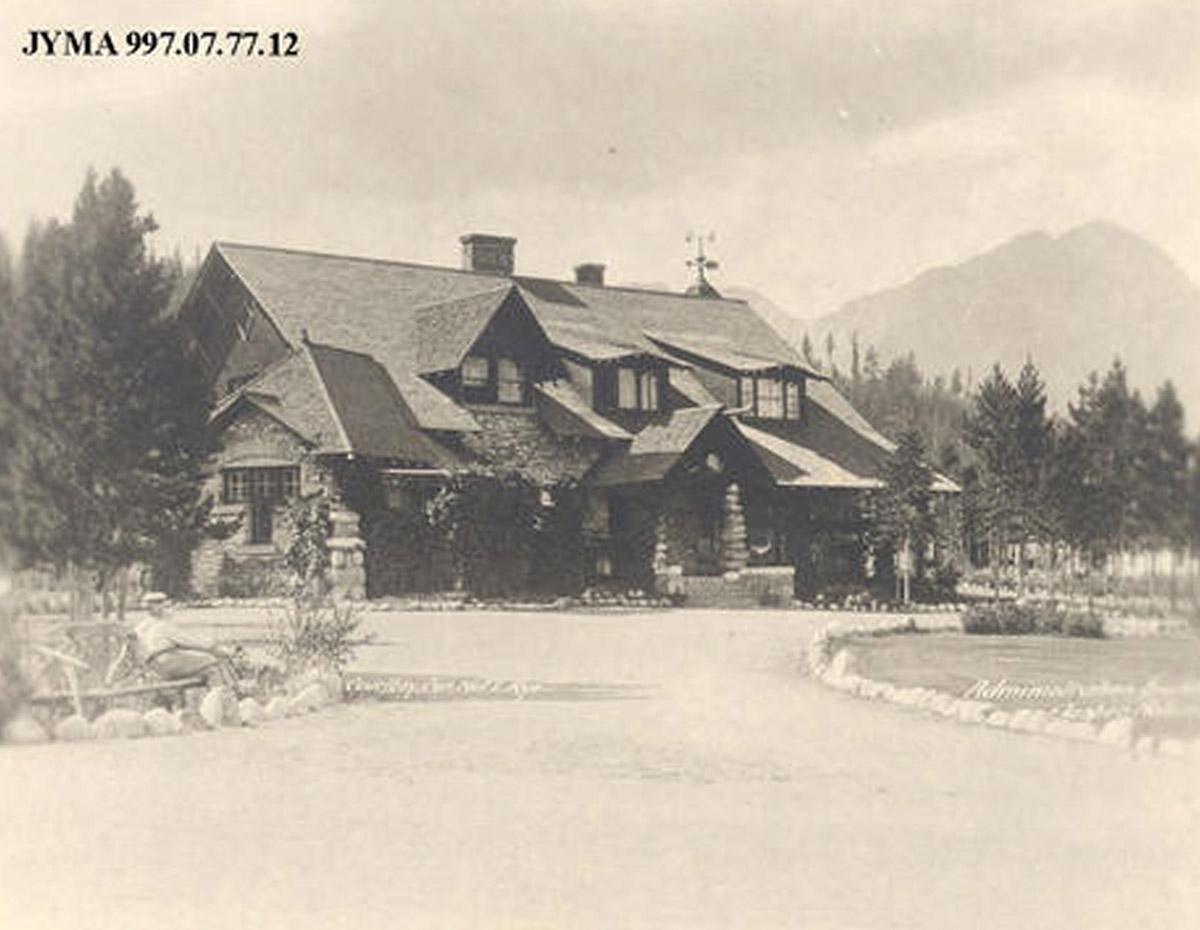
[[314, 631], [1009, 618]]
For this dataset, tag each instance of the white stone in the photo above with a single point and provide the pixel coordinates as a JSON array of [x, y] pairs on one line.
[[73, 729], [309, 698], [219, 708], [1172, 747], [842, 663], [1118, 732], [119, 723], [335, 687], [1144, 746], [969, 711], [252, 712], [161, 722], [998, 718], [278, 707], [24, 730]]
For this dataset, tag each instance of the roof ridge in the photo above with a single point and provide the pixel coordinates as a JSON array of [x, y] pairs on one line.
[[513, 278], [370, 260], [464, 297], [337, 417]]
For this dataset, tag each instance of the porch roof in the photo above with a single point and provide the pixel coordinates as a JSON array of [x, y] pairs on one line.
[[656, 448], [567, 414], [792, 465]]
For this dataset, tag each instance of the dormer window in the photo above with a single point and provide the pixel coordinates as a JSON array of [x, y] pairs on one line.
[[493, 380], [627, 389], [475, 372], [770, 397], [510, 382], [648, 390], [632, 388]]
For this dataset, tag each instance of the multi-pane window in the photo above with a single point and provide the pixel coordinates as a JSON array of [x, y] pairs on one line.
[[627, 389], [770, 398], [510, 382], [636, 390], [792, 400], [649, 390], [746, 392], [475, 372], [262, 489], [276, 485], [493, 380]]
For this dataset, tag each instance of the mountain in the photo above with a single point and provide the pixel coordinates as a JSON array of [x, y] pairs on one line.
[[1070, 302]]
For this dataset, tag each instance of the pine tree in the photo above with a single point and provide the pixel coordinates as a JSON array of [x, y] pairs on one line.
[[901, 515], [990, 430], [1096, 467], [806, 350], [112, 409]]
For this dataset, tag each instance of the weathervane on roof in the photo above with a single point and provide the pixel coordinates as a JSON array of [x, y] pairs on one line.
[[701, 263]]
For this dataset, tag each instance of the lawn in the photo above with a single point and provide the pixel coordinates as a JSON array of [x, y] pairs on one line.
[[1155, 679]]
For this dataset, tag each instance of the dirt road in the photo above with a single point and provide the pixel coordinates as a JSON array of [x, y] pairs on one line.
[[671, 770]]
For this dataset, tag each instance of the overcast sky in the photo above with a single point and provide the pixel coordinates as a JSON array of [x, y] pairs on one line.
[[834, 147]]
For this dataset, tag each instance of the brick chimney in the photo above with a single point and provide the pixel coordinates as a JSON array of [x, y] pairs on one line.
[[590, 273], [491, 254]]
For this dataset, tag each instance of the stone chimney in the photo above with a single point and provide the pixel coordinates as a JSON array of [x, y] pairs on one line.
[[491, 254], [590, 273]]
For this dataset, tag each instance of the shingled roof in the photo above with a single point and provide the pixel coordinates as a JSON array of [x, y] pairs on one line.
[[375, 305], [340, 402], [655, 450], [414, 319]]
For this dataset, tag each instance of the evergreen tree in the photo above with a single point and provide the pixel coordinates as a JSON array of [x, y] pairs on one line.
[[1096, 469], [111, 409], [1162, 488], [901, 515], [806, 350]]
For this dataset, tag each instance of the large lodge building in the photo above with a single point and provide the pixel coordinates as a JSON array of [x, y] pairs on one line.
[[703, 453]]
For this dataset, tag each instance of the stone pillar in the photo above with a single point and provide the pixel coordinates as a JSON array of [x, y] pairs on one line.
[[346, 548], [734, 554]]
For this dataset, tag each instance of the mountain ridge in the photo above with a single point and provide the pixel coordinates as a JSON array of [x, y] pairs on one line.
[[1070, 302]]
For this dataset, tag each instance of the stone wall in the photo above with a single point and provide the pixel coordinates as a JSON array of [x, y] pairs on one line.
[[254, 439], [516, 439]]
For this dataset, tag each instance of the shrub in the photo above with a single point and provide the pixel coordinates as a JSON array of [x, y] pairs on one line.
[[1010, 618], [314, 631]]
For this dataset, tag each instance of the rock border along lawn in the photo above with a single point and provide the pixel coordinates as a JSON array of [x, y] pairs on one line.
[[830, 661], [219, 708]]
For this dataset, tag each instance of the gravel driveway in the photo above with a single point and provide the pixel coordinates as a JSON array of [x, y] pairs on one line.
[[675, 769]]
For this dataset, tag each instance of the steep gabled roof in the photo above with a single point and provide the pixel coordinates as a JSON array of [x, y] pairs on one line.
[[339, 402], [363, 305], [446, 330], [372, 415], [289, 392]]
